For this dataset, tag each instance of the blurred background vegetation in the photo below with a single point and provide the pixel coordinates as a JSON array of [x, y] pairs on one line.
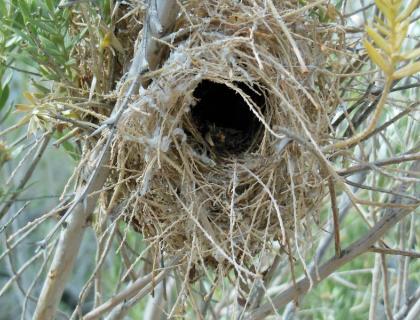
[[35, 51]]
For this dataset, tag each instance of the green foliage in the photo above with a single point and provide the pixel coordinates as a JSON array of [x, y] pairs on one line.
[[35, 33]]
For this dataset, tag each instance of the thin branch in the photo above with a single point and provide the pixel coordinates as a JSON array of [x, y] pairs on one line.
[[414, 312], [68, 246], [344, 208], [387, 305], [379, 163], [348, 15], [136, 290], [402, 312], [374, 291], [348, 143], [9, 65], [391, 121], [27, 175], [336, 214], [377, 189], [405, 253]]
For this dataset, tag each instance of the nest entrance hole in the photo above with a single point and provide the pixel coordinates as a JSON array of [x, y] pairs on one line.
[[224, 119]]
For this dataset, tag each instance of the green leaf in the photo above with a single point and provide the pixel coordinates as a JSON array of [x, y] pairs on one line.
[[4, 95], [7, 79], [68, 146], [48, 27], [3, 9], [40, 87], [7, 113], [50, 5], [71, 150], [24, 9]]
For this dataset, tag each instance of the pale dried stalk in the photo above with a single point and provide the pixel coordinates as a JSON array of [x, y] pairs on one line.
[[400, 270], [411, 241], [414, 312], [19, 273], [69, 244], [155, 308], [375, 283], [387, 305], [303, 67], [408, 305], [135, 291]]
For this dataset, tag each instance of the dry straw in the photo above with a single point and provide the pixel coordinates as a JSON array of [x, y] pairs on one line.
[[204, 166]]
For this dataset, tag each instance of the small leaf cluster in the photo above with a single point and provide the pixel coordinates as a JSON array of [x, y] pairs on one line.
[[387, 36], [35, 34]]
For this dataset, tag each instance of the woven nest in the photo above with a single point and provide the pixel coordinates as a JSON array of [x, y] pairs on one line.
[[200, 164]]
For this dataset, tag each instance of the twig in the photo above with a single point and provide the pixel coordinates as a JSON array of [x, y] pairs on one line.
[[303, 67], [410, 244], [374, 290], [77, 123], [336, 219], [402, 312], [377, 189], [303, 9], [104, 244], [405, 253], [387, 305], [69, 244], [156, 304], [379, 163], [17, 214], [414, 312], [348, 15], [371, 127], [27, 175], [344, 207], [136, 290], [19, 272], [390, 122]]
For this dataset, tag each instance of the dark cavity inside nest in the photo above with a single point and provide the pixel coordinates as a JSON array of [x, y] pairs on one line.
[[224, 120]]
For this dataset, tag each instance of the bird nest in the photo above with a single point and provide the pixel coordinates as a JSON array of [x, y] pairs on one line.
[[204, 162]]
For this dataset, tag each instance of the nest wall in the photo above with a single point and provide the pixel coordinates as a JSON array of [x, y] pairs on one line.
[[226, 196]]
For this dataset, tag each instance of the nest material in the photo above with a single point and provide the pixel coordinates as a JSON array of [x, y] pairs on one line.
[[199, 165]]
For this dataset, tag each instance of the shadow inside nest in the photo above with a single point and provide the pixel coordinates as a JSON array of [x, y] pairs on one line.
[[226, 124]]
